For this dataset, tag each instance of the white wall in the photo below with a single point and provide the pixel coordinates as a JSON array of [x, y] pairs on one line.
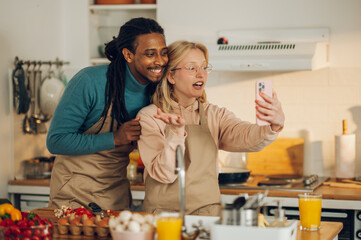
[[313, 101], [35, 30]]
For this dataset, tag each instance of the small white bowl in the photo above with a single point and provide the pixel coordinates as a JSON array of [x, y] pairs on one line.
[[132, 235]]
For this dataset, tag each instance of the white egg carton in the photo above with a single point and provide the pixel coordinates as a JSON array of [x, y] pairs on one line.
[[231, 232]]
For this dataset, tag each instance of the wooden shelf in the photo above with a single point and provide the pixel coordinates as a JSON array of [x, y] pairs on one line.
[[123, 6], [105, 20]]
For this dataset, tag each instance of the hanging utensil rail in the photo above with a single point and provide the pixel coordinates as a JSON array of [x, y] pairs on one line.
[[30, 87], [57, 62]]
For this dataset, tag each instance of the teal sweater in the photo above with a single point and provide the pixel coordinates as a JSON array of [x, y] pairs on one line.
[[81, 107]]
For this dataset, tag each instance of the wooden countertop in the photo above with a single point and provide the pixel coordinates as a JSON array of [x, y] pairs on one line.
[[31, 182], [328, 192], [328, 230]]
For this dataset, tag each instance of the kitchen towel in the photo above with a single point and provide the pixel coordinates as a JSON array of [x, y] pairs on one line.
[[345, 156]]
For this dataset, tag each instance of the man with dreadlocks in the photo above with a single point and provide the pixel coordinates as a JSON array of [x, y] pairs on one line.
[[94, 125]]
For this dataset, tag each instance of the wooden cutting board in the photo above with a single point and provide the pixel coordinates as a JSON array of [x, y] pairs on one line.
[[283, 156]]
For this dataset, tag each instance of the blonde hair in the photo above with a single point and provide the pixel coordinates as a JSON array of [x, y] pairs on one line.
[[176, 52]]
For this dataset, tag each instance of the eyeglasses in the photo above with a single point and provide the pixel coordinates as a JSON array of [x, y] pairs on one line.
[[193, 69]]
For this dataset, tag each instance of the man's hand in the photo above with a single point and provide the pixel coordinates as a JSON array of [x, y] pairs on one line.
[[127, 132]]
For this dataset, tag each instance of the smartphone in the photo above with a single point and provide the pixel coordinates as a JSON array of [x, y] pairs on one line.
[[264, 86]]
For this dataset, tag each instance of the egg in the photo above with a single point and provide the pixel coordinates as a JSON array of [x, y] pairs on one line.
[[125, 216], [134, 226], [149, 218], [71, 217], [63, 220], [89, 222], [84, 217], [75, 221], [98, 218], [113, 222], [138, 218], [127, 221], [103, 222]]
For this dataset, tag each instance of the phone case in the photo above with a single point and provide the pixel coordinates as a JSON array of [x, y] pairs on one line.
[[264, 86]]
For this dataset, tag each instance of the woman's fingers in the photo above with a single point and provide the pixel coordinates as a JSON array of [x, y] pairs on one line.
[[181, 121], [176, 120], [270, 110], [169, 118], [159, 111]]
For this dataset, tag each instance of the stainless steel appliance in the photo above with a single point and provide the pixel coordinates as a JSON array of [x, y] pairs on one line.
[[280, 182]]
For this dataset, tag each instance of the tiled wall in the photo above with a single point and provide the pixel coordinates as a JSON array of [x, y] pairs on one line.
[[314, 102]]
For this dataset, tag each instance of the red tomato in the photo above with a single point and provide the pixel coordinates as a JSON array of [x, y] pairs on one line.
[[24, 214], [37, 232], [41, 223], [15, 230], [31, 223], [27, 233], [7, 223], [22, 223], [7, 231]]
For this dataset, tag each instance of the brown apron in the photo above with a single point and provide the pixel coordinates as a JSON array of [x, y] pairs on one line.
[[202, 193], [100, 177]]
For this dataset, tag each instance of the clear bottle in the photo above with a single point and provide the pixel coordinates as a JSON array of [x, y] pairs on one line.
[[133, 165]]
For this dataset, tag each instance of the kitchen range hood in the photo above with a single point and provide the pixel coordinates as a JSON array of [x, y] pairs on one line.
[[270, 50]]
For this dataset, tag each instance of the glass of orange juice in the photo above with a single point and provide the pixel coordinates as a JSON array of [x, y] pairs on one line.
[[169, 226], [310, 211]]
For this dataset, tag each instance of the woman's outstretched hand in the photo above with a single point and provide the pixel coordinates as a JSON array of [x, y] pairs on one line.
[[177, 123], [270, 110]]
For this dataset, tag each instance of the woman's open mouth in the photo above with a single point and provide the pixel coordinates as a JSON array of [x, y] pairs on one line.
[[198, 85]]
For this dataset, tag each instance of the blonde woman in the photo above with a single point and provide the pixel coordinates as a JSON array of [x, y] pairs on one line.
[[181, 115]]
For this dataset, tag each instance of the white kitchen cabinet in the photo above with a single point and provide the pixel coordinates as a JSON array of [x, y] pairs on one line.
[[105, 22], [30, 202], [25, 197], [28, 197]]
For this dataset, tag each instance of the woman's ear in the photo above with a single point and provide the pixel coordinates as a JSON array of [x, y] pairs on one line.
[[170, 77], [128, 55]]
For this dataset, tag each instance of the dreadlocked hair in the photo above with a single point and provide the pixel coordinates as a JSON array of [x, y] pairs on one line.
[[115, 86]]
